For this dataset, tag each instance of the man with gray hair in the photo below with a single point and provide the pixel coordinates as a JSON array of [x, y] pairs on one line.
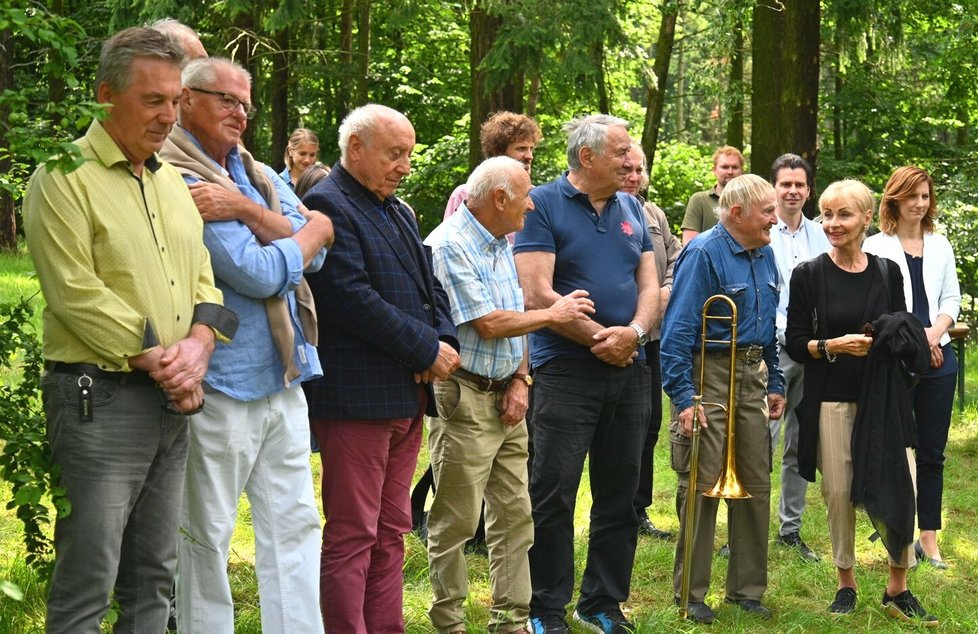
[[478, 441], [386, 335], [733, 259], [590, 398], [130, 322], [254, 436], [181, 35]]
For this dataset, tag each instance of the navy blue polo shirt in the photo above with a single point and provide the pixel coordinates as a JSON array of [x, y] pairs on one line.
[[598, 253]]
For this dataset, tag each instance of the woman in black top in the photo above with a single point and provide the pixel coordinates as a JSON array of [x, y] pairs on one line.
[[832, 296]]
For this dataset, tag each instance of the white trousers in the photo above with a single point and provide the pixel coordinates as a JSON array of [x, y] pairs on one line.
[[262, 448]]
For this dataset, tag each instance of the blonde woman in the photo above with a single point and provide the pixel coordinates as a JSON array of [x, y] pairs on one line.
[[300, 154], [831, 299]]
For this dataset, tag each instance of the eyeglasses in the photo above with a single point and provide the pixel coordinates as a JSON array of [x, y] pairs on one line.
[[230, 103]]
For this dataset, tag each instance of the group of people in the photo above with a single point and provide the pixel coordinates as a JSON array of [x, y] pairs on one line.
[[201, 318]]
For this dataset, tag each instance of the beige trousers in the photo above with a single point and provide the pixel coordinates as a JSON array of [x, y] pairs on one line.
[[835, 462]]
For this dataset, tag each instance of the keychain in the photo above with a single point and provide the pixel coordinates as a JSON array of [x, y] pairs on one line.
[[85, 413]]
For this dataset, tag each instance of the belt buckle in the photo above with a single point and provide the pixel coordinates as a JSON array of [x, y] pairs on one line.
[[754, 354]]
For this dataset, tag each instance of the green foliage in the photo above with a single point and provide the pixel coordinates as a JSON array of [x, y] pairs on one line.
[[25, 461], [679, 170]]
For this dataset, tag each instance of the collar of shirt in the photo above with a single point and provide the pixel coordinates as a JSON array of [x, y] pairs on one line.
[[478, 235], [108, 151]]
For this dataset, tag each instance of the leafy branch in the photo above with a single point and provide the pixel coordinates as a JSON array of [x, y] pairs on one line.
[[25, 461]]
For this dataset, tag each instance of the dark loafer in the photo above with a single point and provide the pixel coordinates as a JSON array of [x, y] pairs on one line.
[[936, 563], [752, 606], [699, 612]]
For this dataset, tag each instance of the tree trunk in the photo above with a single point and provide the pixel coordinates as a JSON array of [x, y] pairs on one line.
[[343, 101], [56, 85], [281, 61], [680, 92], [655, 96], [534, 96], [767, 34], [8, 216], [799, 96], [363, 52], [604, 102], [735, 103], [245, 22], [482, 33]]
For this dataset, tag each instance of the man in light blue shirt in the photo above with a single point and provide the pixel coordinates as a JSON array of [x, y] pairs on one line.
[[253, 433], [478, 441], [794, 239]]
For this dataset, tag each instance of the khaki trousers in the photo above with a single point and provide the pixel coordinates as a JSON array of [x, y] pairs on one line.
[[474, 456], [748, 519], [835, 424]]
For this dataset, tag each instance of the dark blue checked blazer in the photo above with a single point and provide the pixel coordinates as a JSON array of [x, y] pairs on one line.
[[381, 310]]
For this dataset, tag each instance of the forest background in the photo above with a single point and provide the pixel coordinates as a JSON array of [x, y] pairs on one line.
[[858, 87]]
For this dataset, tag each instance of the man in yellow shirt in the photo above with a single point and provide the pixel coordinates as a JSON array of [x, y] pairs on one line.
[[130, 323]]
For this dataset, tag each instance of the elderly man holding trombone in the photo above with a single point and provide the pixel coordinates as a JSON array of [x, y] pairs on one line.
[[720, 367]]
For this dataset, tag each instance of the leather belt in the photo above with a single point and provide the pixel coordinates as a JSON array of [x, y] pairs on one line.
[[135, 376], [751, 355], [482, 382]]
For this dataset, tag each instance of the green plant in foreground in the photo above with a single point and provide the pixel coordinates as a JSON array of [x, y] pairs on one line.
[[25, 461]]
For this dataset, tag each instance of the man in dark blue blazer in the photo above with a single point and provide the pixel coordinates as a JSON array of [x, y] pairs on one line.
[[385, 334]]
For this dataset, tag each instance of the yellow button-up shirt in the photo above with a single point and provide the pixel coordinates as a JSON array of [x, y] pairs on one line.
[[115, 255]]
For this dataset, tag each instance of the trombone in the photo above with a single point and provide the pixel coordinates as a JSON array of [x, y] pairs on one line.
[[728, 484]]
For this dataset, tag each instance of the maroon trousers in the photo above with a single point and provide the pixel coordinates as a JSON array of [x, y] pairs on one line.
[[367, 470]]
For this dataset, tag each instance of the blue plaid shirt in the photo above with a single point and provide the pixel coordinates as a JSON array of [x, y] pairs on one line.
[[479, 275]]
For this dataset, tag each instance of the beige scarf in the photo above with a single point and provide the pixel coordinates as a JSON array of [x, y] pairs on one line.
[[181, 152]]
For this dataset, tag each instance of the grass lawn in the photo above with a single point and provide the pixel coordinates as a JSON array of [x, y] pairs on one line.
[[798, 593]]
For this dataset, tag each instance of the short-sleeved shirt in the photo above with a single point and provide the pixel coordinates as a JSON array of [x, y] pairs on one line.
[[701, 211], [115, 253], [599, 253], [477, 271]]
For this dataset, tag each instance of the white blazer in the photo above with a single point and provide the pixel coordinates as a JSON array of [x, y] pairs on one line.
[[940, 274]]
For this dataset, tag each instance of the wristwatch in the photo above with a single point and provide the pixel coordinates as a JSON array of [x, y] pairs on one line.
[[526, 378], [643, 337]]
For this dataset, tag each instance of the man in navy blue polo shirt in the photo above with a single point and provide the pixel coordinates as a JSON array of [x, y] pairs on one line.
[[589, 395]]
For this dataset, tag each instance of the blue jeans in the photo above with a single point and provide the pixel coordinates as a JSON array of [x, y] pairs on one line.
[[586, 408], [123, 474]]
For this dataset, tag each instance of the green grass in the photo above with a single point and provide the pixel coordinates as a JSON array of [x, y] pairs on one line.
[[798, 592]]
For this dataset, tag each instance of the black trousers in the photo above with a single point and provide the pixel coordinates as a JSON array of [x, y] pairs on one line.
[[585, 409], [643, 497], [933, 400]]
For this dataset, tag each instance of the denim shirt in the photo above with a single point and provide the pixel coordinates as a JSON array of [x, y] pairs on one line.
[[248, 272], [714, 263]]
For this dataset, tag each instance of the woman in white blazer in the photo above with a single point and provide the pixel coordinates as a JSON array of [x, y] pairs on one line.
[[930, 286]]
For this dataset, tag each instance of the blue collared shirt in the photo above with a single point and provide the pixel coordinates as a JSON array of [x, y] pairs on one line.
[[479, 275], [714, 263], [247, 272]]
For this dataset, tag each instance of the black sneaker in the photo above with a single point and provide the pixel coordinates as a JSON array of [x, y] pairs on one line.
[[608, 622], [906, 607], [845, 601], [549, 624], [752, 606], [793, 540], [646, 527]]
